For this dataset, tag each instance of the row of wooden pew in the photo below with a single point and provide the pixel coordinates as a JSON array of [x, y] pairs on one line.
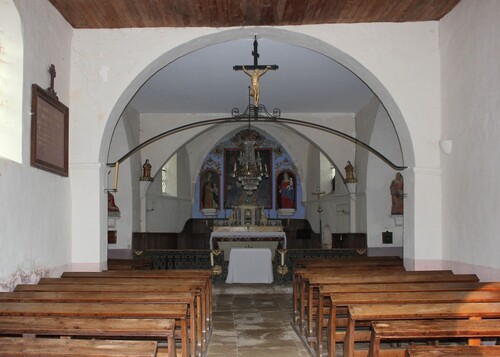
[[374, 300], [166, 311]]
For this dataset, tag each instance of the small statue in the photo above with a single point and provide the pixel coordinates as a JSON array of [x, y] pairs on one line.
[[397, 194], [146, 171], [349, 173]]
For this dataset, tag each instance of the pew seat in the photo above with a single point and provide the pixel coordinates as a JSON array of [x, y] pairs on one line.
[[453, 351], [411, 311], [430, 329], [178, 312], [44, 347], [161, 330]]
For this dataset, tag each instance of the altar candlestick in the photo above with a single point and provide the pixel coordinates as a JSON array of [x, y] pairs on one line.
[[116, 176], [211, 258]]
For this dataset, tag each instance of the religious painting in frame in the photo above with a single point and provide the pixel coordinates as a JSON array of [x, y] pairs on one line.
[[286, 190], [49, 132], [209, 189], [232, 188]]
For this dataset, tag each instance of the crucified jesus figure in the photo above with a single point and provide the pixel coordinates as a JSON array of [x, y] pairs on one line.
[[254, 88]]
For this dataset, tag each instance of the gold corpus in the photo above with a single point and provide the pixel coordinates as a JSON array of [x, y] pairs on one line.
[[282, 269], [217, 270], [217, 252]]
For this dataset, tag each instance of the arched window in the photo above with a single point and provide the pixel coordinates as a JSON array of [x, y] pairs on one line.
[[11, 82], [327, 173], [169, 177]]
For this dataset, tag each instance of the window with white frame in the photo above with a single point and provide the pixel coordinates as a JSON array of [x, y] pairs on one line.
[[169, 177]]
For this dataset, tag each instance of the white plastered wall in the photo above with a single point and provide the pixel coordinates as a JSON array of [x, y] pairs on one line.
[[35, 209], [470, 52]]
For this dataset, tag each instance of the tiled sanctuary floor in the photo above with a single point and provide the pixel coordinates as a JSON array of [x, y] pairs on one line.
[[253, 320]]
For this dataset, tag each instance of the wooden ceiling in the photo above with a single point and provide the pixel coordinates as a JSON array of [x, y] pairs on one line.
[[236, 13]]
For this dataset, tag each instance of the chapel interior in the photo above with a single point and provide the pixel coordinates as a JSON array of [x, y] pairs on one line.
[[171, 135]]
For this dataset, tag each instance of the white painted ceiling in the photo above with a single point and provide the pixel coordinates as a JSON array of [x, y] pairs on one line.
[[204, 82]]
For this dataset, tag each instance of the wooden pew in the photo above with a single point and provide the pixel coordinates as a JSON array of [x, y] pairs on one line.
[[205, 274], [315, 281], [353, 299], [195, 334], [301, 275], [178, 312], [180, 274], [453, 351], [348, 261], [430, 329], [410, 311], [38, 347], [200, 284], [159, 329], [325, 282], [120, 293], [203, 283], [335, 263], [408, 287]]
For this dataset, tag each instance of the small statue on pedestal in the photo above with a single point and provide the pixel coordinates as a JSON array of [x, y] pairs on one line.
[[349, 173], [146, 172], [397, 194]]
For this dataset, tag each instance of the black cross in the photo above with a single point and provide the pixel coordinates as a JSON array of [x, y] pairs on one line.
[[52, 71], [256, 65], [258, 71]]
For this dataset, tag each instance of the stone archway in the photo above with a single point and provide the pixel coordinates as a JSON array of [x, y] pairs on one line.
[[290, 37]]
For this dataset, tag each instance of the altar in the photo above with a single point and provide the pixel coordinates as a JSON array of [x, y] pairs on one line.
[[225, 241], [247, 227]]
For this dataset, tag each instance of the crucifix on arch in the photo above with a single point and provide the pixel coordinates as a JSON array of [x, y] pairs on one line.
[[257, 72]]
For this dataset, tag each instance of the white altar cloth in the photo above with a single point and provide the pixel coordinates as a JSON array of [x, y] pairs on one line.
[[250, 265]]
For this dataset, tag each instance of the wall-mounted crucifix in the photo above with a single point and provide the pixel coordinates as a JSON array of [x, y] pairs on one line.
[[257, 72], [52, 72]]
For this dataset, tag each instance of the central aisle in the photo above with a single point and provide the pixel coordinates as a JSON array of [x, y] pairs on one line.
[[254, 320]]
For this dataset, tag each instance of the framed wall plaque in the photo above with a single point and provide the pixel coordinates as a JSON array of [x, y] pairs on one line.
[[49, 132]]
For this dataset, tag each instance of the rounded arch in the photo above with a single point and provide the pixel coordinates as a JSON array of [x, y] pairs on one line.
[[286, 36], [11, 82]]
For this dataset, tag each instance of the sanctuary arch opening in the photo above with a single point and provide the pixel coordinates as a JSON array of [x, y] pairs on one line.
[[378, 122]]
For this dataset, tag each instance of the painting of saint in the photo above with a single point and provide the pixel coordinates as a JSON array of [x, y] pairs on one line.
[[286, 190], [209, 189]]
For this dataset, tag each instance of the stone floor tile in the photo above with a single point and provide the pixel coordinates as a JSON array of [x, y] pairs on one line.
[[254, 321]]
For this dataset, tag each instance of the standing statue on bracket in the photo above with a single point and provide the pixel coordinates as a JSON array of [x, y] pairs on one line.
[[397, 194], [146, 172], [349, 173]]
